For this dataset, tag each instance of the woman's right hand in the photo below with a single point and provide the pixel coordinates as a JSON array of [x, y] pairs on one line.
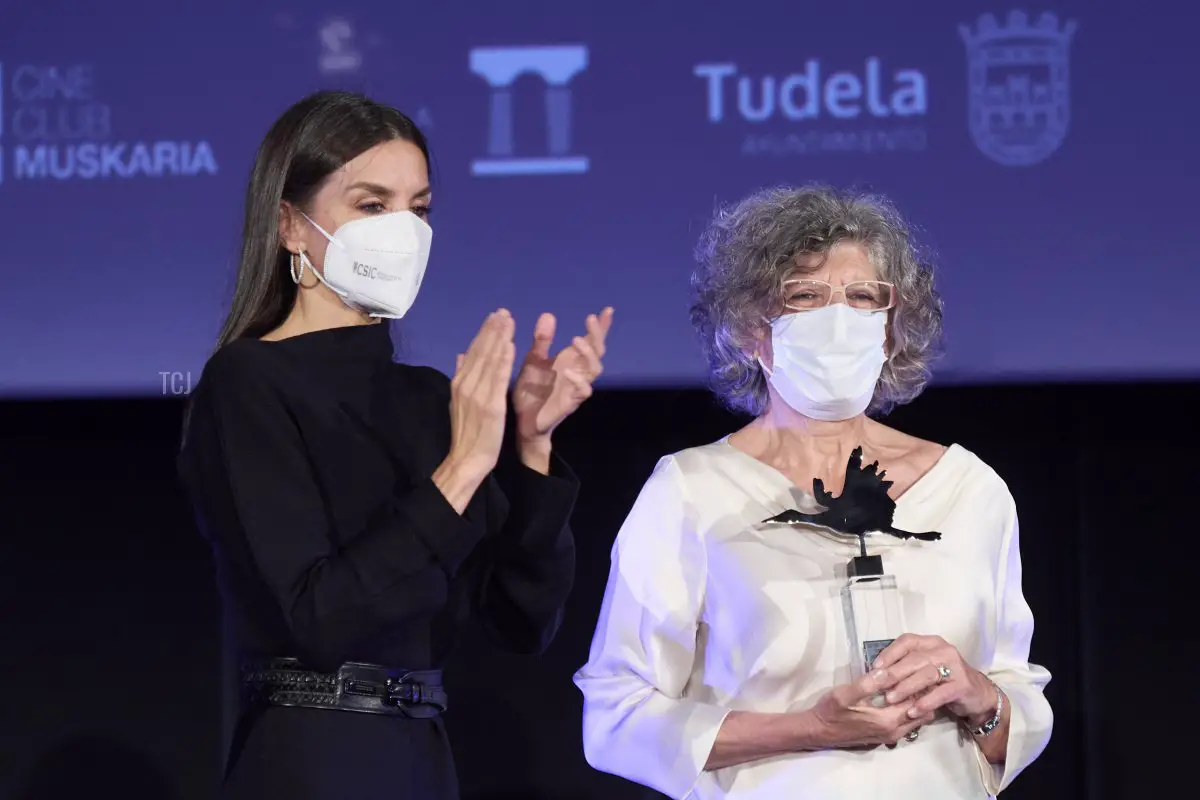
[[848, 719], [478, 405]]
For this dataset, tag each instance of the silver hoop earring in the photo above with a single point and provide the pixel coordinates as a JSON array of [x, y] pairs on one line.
[[292, 266]]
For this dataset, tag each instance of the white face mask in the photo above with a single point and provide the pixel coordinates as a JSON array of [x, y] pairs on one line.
[[828, 360], [375, 264]]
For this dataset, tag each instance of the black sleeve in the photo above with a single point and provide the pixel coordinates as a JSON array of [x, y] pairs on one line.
[[259, 486], [532, 565]]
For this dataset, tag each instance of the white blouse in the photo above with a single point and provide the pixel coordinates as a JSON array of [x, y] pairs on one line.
[[708, 610]]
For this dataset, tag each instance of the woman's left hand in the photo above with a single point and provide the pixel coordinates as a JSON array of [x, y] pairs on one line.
[[548, 390], [932, 670]]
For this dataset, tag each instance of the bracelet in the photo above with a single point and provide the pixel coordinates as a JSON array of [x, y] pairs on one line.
[[990, 725]]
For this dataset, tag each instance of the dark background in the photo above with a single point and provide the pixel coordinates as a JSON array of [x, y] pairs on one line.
[[111, 636]]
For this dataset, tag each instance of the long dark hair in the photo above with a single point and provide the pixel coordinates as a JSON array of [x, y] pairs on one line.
[[313, 139]]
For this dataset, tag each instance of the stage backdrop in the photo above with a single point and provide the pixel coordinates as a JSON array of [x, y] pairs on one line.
[[1047, 152]]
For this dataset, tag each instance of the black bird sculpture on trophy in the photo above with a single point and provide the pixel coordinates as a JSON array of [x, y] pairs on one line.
[[863, 507]]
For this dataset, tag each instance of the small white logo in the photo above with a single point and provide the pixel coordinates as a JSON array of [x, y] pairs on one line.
[[338, 53], [500, 67], [1018, 103]]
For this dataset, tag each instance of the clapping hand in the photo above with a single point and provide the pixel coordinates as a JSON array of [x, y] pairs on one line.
[[549, 389], [478, 402], [477, 395]]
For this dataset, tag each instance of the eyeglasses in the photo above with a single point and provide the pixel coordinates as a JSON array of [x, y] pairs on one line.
[[807, 295]]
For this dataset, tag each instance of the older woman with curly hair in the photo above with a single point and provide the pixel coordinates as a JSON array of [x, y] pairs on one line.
[[721, 663]]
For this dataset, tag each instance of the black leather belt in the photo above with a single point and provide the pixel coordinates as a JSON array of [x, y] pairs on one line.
[[365, 688]]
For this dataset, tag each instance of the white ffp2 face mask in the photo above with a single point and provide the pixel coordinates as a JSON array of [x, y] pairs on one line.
[[827, 361], [376, 264]]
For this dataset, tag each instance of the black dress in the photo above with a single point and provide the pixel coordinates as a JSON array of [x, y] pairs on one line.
[[309, 463]]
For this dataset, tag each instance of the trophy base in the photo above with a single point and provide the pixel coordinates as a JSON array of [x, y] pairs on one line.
[[874, 616], [871, 603]]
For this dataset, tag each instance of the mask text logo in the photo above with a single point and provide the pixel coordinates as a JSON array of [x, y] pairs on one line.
[[367, 271]]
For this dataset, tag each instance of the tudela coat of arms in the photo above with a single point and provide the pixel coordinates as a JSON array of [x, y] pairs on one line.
[[1018, 103]]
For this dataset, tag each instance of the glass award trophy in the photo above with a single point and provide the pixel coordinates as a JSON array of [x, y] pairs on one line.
[[871, 603], [870, 599]]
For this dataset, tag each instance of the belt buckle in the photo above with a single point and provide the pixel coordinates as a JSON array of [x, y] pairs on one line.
[[403, 691], [361, 688], [363, 680]]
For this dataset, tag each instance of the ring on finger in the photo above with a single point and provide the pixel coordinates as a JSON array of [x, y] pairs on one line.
[[912, 735], [944, 673]]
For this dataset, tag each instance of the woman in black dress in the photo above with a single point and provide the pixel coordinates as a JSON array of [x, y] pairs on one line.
[[361, 511]]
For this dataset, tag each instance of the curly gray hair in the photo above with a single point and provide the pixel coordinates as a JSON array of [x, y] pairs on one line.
[[752, 246]]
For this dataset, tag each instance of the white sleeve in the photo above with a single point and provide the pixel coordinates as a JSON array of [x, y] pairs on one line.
[[638, 722], [1031, 719]]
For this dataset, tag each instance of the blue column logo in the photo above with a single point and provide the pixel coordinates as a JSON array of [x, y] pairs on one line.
[[557, 66]]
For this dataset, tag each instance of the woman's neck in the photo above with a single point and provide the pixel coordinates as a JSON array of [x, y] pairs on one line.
[[318, 309], [792, 442]]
